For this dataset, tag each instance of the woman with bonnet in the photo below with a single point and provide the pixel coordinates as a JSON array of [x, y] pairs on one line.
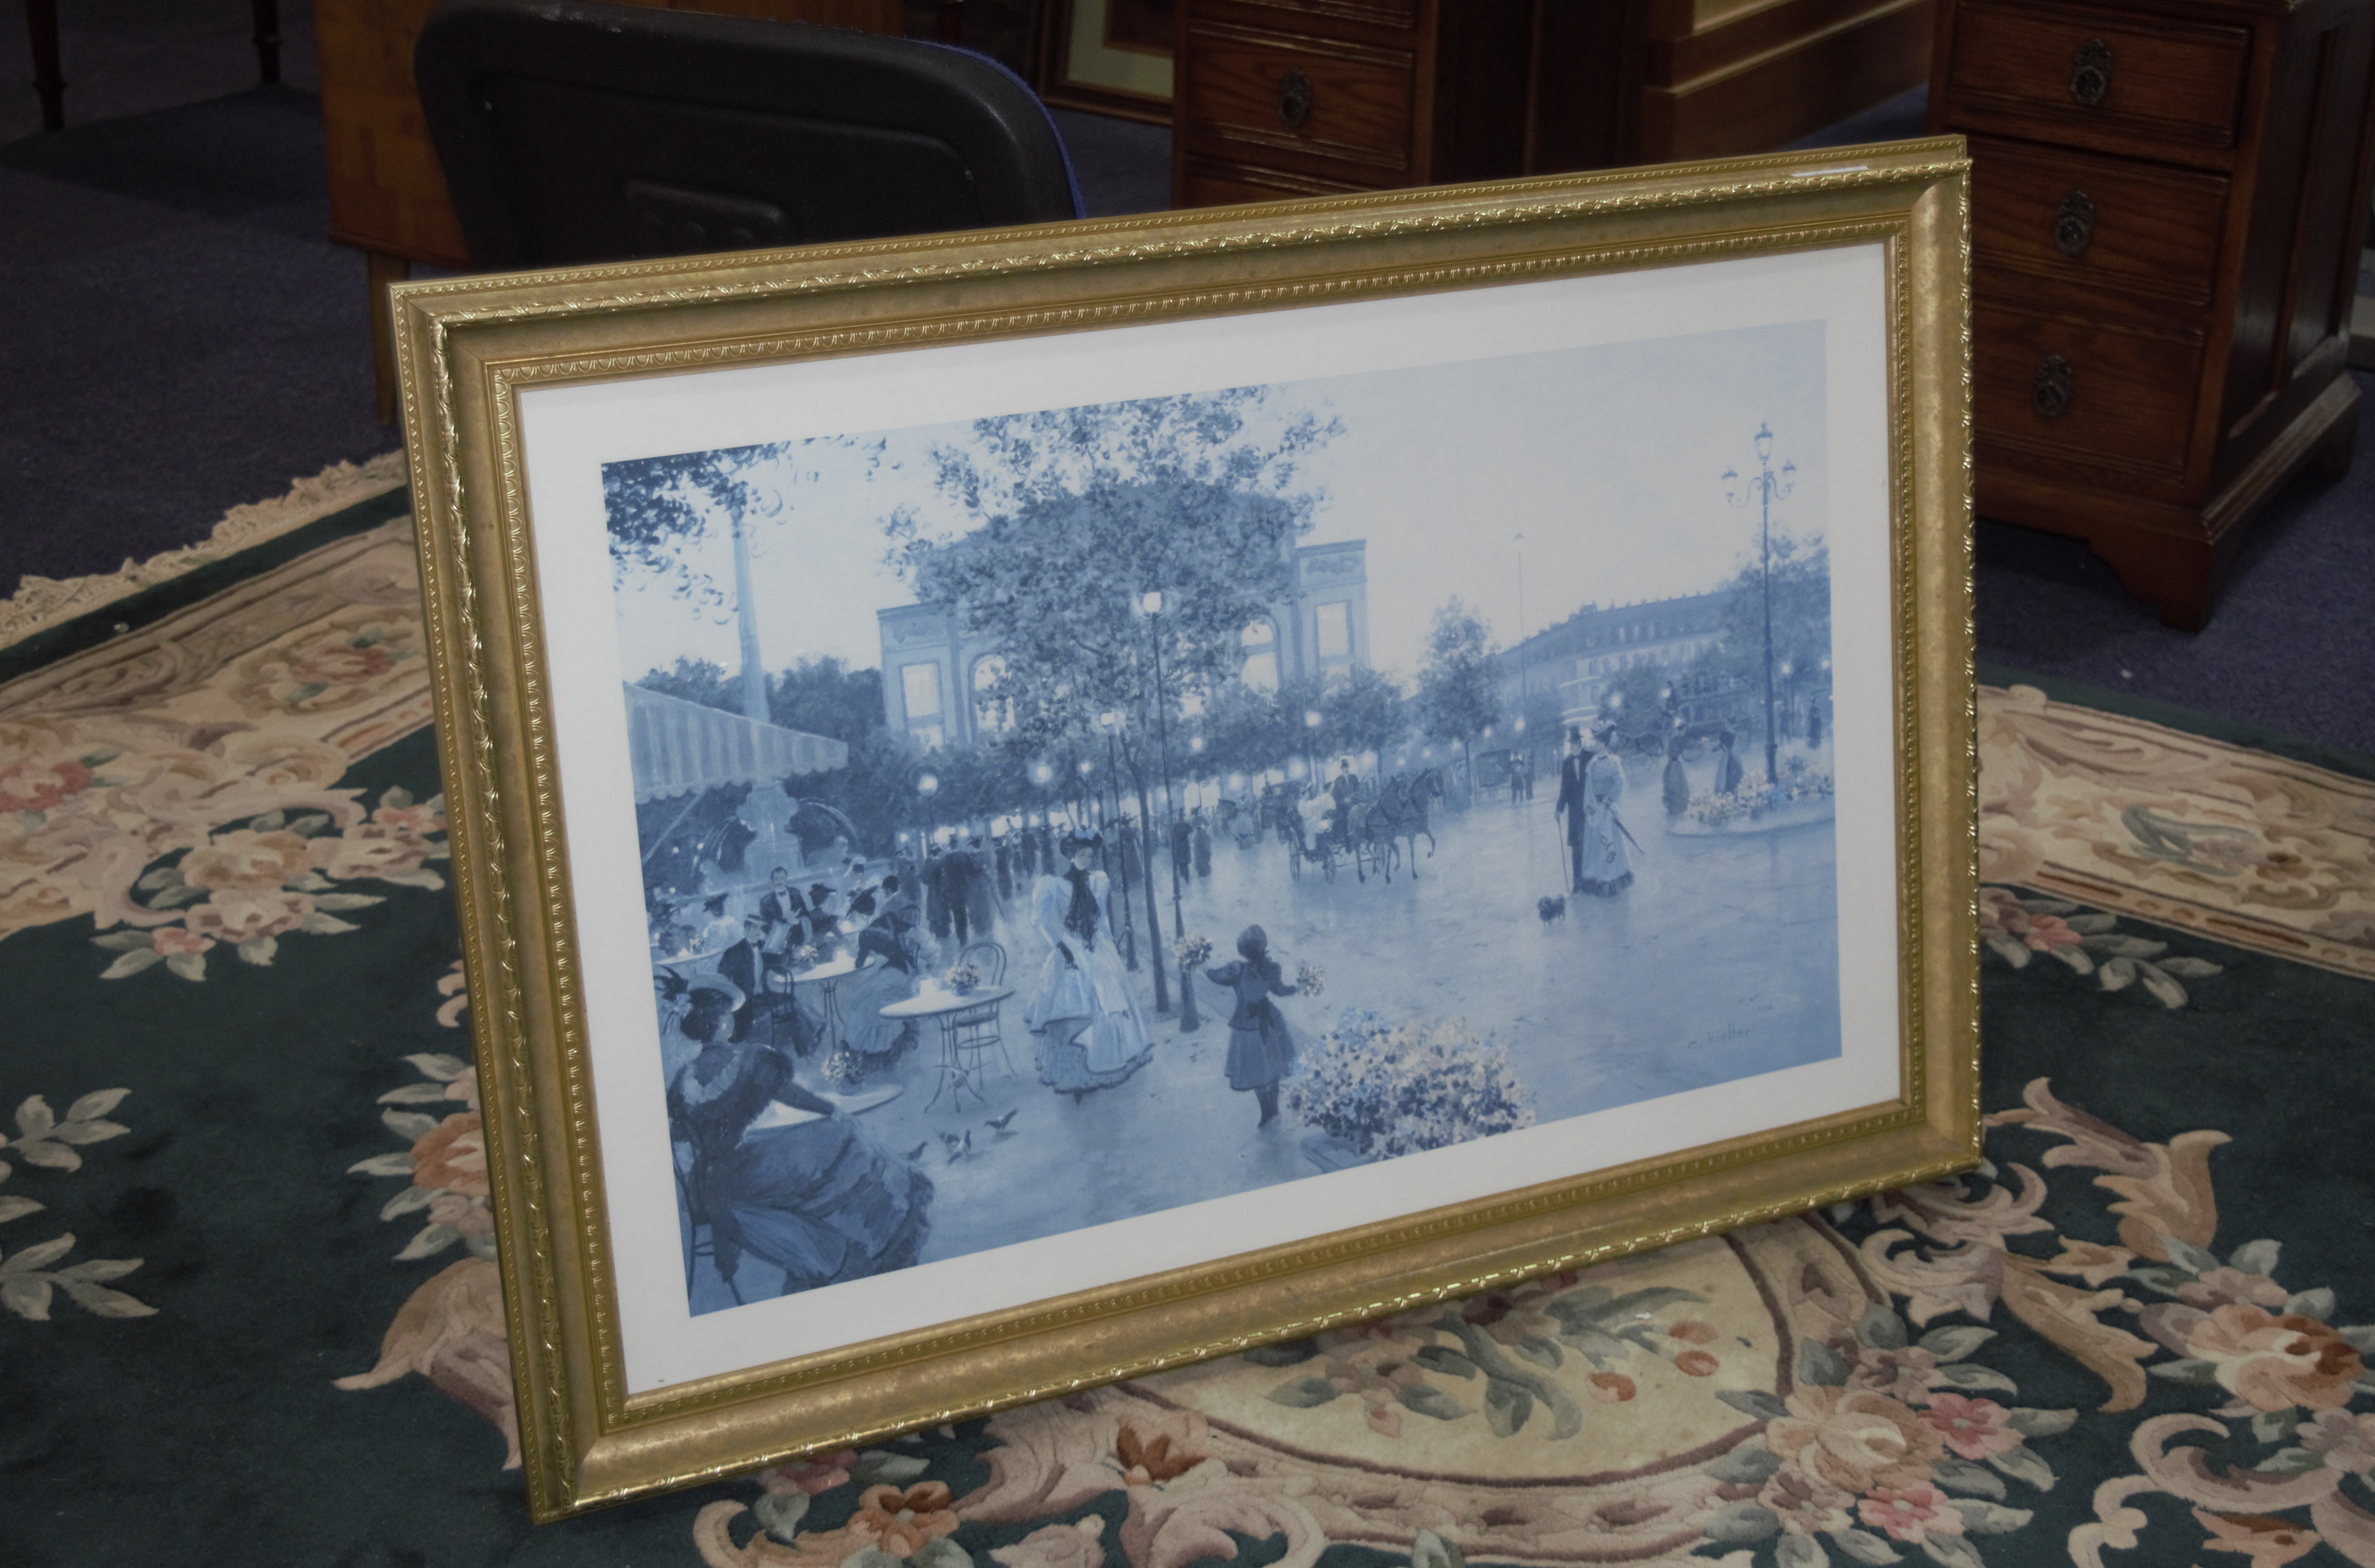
[[1092, 1035], [778, 1173], [1261, 1047]]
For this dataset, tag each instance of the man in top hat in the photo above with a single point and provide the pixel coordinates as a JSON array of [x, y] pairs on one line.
[[1343, 790], [1569, 806], [742, 963], [780, 908]]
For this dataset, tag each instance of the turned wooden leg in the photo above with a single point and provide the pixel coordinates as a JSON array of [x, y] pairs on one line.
[[379, 272], [42, 21], [267, 40]]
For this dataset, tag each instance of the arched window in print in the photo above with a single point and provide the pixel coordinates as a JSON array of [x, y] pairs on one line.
[[992, 713], [1260, 642]]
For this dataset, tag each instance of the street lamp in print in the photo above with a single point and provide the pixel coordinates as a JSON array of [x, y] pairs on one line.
[[1768, 487]]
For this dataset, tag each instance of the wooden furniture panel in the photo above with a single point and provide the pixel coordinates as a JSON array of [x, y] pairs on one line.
[[2089, 222], [2139, 85], [1748, 79], [387, 195], [1312, 99], [1281, 97], [1515, 86], [2198, 316], [2125, 400], [2298, 279]]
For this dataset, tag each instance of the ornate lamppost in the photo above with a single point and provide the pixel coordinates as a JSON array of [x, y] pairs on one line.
[[1768, 487], [1521, 543], [1111, 723], [1149, 604]]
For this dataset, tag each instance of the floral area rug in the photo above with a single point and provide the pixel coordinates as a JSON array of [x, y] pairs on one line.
[[247, 1314]]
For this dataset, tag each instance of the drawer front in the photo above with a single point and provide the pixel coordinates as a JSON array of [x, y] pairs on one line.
[[2095, 79], [2087, 391], [2096, 221], [1344, 103]]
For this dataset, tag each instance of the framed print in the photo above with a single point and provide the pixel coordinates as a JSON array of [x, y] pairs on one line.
[[1109, 57], [1052, 802]]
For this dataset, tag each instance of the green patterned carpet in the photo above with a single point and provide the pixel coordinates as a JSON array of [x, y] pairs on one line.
[[247, 1315]]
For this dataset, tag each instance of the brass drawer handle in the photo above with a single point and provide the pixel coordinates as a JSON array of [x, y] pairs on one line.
[[2090, 73], [2050, 395], [2074, 224], [1293, 100]]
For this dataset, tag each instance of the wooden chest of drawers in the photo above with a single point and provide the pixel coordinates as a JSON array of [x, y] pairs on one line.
[[1282, 98], [2169, 198]]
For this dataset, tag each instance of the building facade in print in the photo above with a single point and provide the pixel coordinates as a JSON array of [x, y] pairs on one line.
[[1580, 659], [939, 683]]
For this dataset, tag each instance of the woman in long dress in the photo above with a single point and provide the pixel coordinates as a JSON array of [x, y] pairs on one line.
[[1601, 868], [1677, 782], [1091, 1033], [780, 1174], [1261, 1047], [886, 973]]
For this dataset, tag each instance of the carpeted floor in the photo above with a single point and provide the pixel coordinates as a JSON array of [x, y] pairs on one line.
[[246, 1314]]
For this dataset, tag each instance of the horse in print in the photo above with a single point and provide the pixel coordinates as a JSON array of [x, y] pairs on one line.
[[1402, 810], [1370, 826]]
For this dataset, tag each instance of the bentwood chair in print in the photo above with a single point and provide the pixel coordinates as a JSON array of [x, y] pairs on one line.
[[978, 1030]]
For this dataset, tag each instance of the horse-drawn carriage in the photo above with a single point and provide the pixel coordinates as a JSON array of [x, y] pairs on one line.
[[1370, 832]]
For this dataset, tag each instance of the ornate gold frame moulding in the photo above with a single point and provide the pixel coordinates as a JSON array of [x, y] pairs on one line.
[[467, 349]]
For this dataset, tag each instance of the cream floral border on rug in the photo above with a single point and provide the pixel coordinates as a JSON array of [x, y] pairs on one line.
[[2240, 845], [255, 701], [40, 603]]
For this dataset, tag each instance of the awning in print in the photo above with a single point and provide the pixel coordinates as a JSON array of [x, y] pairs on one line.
[[679, 747]]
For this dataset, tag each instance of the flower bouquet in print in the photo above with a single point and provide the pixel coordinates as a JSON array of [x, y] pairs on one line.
[[1387, 1089]]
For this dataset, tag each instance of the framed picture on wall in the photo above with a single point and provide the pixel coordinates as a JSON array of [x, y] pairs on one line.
[[1049, 803], [1109, 57]]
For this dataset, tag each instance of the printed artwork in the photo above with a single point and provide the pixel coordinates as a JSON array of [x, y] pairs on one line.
[[1067, 815]]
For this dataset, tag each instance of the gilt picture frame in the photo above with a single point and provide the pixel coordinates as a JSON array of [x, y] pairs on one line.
[[1524, 628]]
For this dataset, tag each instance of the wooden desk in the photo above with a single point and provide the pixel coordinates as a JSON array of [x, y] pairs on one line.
[[2168, 202], [387, 195], [1281, 97]]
